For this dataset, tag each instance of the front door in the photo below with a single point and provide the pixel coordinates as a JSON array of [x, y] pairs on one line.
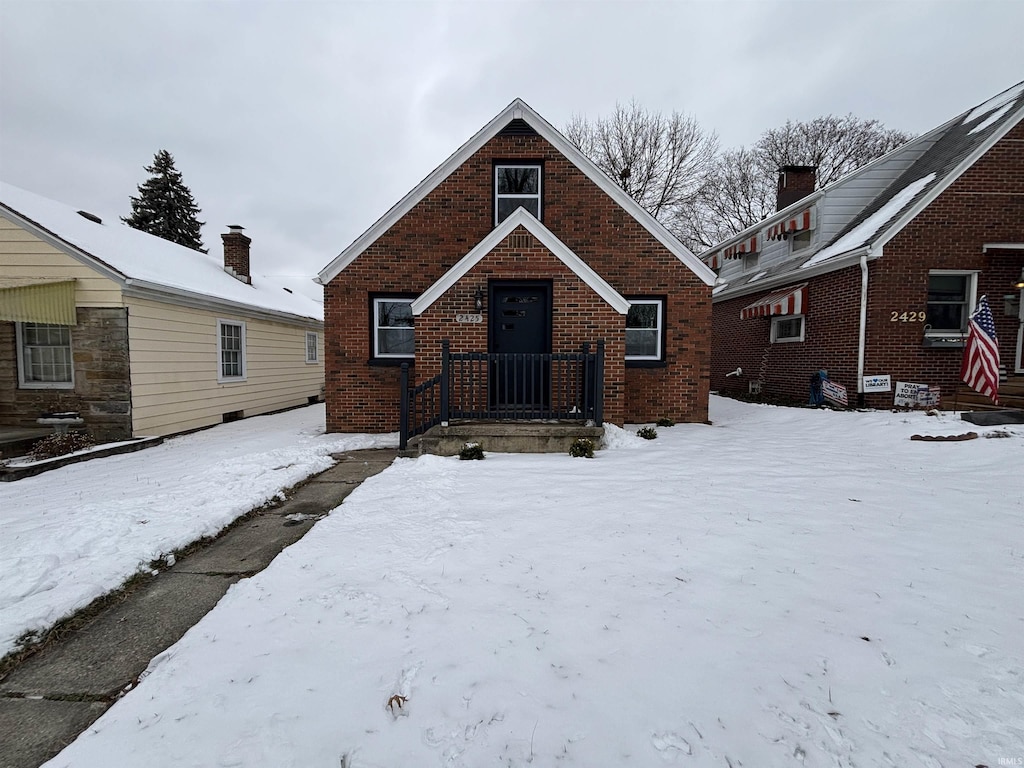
[[520, 330]]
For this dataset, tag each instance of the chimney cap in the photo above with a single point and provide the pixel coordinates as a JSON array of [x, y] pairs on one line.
[[235, 228], [798, 169]]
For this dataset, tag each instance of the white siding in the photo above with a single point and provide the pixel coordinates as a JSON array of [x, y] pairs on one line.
[[174, 365]]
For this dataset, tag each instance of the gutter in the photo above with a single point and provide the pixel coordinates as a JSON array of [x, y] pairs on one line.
[[863, 329], [798, 274]]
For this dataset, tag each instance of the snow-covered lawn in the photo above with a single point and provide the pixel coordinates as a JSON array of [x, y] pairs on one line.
[[786, 587], [70, 535]]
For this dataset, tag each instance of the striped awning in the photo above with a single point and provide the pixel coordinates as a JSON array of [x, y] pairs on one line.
[[714, 260], [788, 301], [736, 251], [799, 223], [31, 300]]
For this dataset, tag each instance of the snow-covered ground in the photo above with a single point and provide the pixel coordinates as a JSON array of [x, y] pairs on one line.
[[785, 587], [70, 535]]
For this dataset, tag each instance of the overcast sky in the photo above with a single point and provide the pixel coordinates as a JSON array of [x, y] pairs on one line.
[[305, 121]]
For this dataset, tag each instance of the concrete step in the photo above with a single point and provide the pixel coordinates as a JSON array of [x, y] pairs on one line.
[[503, 437]]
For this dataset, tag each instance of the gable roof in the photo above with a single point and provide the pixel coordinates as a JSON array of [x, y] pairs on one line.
[[952, 148], [520, 112], [142, 262], [522, 218]]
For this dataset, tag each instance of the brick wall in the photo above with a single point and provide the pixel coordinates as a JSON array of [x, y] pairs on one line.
[[99, 344], [458, 214], [985, 205]]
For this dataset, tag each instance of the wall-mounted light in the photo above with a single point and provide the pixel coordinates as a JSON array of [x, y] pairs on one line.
[[478, 299]]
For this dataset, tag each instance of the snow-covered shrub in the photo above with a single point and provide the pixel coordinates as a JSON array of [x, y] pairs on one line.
[[471, 451], [647, 433], [665, 421], [55, 445], [582, 448]]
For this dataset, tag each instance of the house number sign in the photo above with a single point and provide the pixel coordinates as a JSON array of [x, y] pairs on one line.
[[469, 318]]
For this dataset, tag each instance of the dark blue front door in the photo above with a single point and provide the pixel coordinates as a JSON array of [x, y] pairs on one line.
[[520, 331]]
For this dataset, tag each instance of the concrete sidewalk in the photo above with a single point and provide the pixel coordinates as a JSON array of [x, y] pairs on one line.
[[54, 695]]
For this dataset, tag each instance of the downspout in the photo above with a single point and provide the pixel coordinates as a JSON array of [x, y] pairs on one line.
[[863, 330]]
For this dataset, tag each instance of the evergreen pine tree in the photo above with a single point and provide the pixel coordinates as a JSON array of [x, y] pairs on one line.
[[165, 207]]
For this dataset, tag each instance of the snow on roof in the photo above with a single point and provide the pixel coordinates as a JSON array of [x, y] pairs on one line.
[[863, 233], [145, 258], [1007, 97]]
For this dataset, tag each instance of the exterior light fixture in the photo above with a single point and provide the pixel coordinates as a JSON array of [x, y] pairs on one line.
[[478, 299]]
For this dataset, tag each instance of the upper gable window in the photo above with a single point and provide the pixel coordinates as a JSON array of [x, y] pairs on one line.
[[515, 186]]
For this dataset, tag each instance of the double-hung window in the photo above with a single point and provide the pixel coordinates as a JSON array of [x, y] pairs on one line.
[[645, 330], [393, 333], [516, 185], [312, 347], [951, 296], [44, 356], [230, 351]]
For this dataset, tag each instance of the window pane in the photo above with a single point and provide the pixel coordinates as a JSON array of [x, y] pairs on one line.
[[641, 343], [508, 205], [947, 302], [947, 287], [788, 329], [518, 180], [642, 316], [397, 341], [46, 353], [394, 314]]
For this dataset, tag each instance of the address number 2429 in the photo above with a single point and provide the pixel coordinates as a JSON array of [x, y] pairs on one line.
[[907, 317]]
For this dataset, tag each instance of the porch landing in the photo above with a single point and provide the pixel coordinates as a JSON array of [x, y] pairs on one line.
[[502, 437]]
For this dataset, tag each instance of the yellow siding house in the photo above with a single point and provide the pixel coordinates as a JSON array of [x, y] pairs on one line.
[[139, 336]]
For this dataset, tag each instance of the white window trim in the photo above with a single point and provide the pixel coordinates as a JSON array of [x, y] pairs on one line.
[[660, 329], [777, 319], [972, 300], [377, 328], [316, 347], [539, 196], [793, 240], [22, 363], [221, 378]]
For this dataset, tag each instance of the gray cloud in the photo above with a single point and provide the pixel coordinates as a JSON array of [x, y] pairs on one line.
[[305, 121]]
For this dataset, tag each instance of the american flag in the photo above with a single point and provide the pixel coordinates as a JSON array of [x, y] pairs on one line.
[[980, 368]]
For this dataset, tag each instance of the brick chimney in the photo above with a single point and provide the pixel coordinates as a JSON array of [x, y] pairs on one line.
[[236, 253], [795, 183]]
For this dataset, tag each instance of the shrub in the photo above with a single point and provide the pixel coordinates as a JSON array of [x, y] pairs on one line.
[[582, 448], [55, 445], [665, 421], [471, 452], [647, 433]]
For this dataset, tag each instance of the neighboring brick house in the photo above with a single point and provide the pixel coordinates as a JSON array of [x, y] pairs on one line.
[[877, 273], [141, 336], [536, 251]]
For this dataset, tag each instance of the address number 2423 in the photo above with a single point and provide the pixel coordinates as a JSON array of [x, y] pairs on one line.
[[907, 317]]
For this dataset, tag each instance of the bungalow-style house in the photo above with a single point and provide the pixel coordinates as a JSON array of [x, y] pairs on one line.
[[554, 291], [140, 336], [873, 278]]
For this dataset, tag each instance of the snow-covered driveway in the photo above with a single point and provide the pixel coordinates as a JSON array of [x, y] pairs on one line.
[[786, 587]]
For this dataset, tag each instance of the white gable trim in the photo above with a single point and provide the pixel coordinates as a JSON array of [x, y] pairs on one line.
[[518, 109], [525, 219]]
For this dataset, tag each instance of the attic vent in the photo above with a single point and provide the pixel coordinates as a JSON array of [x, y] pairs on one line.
[[519, 240], [90, 216], [517, 127]]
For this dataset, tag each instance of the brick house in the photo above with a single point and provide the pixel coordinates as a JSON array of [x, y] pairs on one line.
[[517, 245], [877, 273], [138, 335]]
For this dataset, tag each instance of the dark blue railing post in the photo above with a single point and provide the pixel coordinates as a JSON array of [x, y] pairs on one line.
[[445, 380], [403, 417], [599, 385]]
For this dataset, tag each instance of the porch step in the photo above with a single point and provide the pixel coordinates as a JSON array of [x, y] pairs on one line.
[[503, 437]]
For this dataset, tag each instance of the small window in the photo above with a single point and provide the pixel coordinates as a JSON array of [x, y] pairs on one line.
[[787, 328], [950, 300], [800, 240], [231, 350], [393, 328], [750, 261], [516, 186], [644, 329], [312, 347], [44, 356]]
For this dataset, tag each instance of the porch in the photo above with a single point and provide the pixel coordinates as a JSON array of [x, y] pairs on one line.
[[530, 402], [1011, 396]]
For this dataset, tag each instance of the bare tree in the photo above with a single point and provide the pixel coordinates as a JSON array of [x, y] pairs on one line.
[[739, 190], [660, 161]]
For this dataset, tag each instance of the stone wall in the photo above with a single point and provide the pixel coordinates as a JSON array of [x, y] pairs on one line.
[[99, 345]]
